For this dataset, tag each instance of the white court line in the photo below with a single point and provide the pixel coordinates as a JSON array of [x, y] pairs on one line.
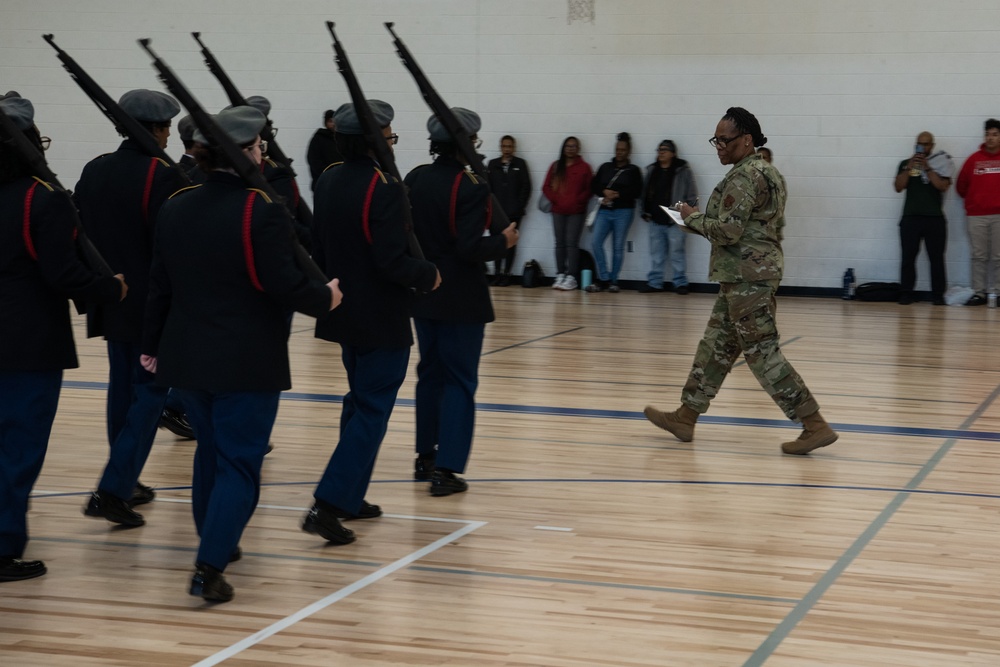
[[556, 528], [306, 612]]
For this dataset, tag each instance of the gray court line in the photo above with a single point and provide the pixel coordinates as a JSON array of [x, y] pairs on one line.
[[799, 612], [607, 584], [528, 342]]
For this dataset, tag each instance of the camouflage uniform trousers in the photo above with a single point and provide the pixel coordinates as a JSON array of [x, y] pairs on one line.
[[743, 320]]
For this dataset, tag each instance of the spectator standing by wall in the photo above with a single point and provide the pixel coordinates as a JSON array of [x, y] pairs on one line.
[[511, 183], [979, 184], [567, 186], [668, 181], [618, 183]]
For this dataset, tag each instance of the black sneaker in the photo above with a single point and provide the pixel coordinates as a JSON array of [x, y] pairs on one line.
[[649, 289], [445, 483], [683, 289], [976, 300], [114, 509], [209, 584], [423, 467], [367, 511], [15, 569], [326, 525], [141, 495]]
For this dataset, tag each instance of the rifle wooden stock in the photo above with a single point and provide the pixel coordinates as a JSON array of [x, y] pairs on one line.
[[124, 123], [374, 137], [244, 166], [458, 133]]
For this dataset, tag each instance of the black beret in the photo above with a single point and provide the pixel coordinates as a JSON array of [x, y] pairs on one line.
[[347, 121], [241, 124], [469, 120], [258, 102], [19, 110], [149, 106]]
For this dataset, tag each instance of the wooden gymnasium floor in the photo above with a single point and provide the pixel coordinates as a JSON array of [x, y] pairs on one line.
[[588, 537]]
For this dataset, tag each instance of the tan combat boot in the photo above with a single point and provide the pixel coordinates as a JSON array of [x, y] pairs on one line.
[[816, 433], [680, 422]]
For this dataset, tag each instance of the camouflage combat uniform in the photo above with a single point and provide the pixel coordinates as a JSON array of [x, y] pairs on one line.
[[743, 221]]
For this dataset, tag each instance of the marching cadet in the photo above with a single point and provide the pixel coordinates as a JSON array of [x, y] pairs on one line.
[[39, 269], [361, 236], [119, 195], [451, 212], [223, 281]]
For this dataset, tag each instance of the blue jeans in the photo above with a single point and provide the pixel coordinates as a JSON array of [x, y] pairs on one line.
[[667, 241], [615, 222]]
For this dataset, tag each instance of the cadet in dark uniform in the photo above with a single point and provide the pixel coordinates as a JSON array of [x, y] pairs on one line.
[[222, 283], [451, 212], [39, 269], [119, 195], [361, 236]]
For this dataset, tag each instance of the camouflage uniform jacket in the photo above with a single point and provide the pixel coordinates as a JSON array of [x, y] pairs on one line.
[[744, 222]]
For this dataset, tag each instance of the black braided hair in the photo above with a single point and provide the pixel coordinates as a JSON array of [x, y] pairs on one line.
[[746, 123]]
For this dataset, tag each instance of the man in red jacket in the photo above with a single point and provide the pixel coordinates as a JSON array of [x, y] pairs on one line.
[[979, 184]]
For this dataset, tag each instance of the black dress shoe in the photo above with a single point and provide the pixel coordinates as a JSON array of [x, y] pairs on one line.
[[445, 483], [236, 555], [422, 468], [939, 301], [367, 511], [141, 495], [176, 422], [209, 583], [114, 509], [326, 525], [15, 569], [905, 299]]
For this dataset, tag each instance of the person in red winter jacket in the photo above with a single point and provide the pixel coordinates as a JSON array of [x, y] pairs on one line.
[[979, 184], [567, 186]]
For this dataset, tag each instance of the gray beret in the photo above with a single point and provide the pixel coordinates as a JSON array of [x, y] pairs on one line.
[[467, 119], [149, 106], [347, 121], [258, 102], [19, 110], [241, 124], [185, 128]]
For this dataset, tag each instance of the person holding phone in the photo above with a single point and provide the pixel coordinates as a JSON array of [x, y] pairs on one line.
[[925, 177]]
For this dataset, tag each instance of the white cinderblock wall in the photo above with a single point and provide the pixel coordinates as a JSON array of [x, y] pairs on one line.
[[841, 90]]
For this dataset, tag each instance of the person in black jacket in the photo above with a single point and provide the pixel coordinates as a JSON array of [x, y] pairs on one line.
[[362, 237], [618, 183], [119, 195], [323, 151], [222, 283], [511, 183], [39, 269], [451, 213]]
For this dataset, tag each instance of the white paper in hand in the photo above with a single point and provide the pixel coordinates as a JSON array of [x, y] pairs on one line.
[[674, 215]]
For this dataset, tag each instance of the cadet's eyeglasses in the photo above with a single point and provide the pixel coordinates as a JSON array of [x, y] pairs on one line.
[[720, 142], [262, 146], [46, 142], [393, 139]]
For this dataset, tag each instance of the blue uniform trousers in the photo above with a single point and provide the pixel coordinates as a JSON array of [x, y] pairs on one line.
[[447, 378], [28, 401], [133, 429], [233, 429], [374, 377]]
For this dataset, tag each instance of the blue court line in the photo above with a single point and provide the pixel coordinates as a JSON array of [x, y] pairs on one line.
[[829, 578], [170, 547], [605, 584], [905, 431]]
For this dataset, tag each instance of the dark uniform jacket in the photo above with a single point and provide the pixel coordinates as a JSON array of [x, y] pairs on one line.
[[39, 269], [360, 238], [451, 211], [511, 187], [281, 177], [322, 152], [223, 281], [190, 167], [119, 195]]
